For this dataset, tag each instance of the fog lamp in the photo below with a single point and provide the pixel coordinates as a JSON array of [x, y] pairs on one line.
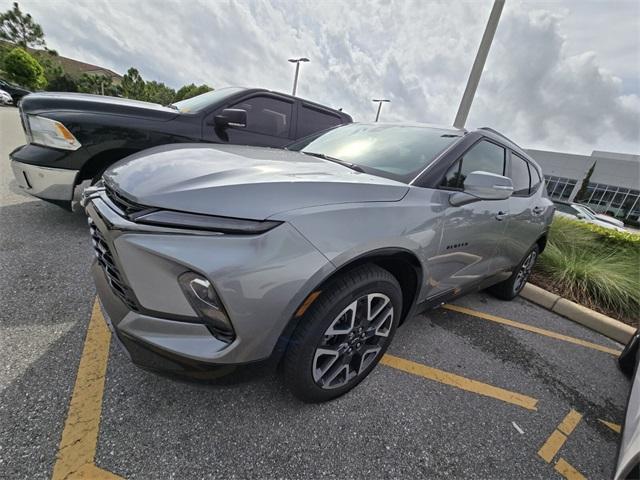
[[205, 301]]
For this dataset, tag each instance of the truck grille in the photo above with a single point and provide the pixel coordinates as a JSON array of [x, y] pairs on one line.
[[125, 205], [106, 261]]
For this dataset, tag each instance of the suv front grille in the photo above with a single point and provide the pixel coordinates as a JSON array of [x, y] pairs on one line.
[[106, 261], [125, 205]]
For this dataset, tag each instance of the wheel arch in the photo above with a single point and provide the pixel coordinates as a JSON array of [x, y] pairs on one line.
[[403, 264], [101, 161], [542, 241]]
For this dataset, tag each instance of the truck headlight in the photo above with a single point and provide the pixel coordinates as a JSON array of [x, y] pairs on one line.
[[205, 301], [50, 133]]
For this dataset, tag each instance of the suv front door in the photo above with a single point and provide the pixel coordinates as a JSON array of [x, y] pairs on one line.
[[472, 234]]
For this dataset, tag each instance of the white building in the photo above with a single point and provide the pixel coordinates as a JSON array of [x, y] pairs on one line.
[[614, 186]]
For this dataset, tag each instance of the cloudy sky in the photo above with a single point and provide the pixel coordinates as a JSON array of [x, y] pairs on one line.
[[562, 75]]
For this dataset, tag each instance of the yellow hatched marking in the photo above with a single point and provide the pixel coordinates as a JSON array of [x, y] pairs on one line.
[[567, 471], [613, 426]]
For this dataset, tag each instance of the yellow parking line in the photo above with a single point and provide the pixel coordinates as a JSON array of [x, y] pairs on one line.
[[568, 425], [459, 382], [557, 438], [530, 328], [77, 449], [567, 471], [613, 426], [552, 446]]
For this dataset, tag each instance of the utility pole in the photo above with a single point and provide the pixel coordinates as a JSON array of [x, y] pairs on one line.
[[295, 78], [478, 64], [380, 102]]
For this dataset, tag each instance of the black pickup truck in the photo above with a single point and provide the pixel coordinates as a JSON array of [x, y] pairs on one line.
[[72, 138]]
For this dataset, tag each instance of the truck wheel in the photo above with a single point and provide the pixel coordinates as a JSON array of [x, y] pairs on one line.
[[343, 335], [512, 286]]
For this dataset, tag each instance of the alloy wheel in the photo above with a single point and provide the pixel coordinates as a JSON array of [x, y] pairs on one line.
[[525, 270], [353, 341]]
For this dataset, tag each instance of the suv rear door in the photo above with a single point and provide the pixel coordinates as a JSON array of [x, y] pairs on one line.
[[525, 220]]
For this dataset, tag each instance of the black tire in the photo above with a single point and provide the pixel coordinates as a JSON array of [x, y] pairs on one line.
[[511, 287], [360, 287], [628, 359]]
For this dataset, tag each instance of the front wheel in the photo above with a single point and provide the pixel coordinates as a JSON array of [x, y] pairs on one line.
[[343, 335], [512, 286]]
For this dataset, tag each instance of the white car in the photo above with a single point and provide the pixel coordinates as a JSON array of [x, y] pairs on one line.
[[575, 211], [601, 216], [5, 98], [629, 454]]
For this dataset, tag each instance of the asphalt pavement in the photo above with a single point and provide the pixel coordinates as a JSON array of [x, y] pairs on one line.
[[458, 396]]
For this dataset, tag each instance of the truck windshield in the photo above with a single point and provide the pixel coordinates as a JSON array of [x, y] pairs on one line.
[[398, 152], [200, 102]]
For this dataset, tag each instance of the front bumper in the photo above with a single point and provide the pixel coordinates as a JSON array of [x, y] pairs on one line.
[[44, 182], [261, 280]]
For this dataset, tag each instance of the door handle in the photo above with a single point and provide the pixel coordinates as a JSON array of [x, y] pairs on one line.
[[501, 215], [538, 210]]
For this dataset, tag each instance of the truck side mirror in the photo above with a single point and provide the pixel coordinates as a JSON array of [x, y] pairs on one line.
[[231, 117]]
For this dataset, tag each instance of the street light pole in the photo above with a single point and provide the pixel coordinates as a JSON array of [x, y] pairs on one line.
[[295, 78], [478, 64], [380, 102]]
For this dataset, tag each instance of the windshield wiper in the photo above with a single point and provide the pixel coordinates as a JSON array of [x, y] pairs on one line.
[[352, 166]]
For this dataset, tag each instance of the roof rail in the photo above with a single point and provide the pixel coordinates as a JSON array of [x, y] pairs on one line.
[[495, 132]]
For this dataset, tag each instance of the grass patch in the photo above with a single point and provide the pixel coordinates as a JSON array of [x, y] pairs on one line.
[[595, 267]]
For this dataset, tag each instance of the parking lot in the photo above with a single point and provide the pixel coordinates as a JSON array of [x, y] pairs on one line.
[[483, 388]]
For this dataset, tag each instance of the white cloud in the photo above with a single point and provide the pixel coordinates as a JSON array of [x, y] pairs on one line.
[[539, 87]]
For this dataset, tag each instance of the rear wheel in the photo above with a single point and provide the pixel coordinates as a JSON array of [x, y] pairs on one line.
[[512, 286], [343, 335]]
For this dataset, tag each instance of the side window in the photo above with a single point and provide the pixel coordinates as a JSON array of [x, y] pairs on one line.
[[520, 176], [535, 179], [267, 115], [311, 120], [483, 156]]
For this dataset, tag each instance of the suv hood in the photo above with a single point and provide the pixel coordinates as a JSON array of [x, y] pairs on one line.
[[242, 182], [48, 102]]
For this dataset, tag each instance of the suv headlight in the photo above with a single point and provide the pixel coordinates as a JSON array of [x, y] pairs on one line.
[[205, 301], [50, 133]]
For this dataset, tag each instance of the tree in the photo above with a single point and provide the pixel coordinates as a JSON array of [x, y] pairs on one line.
[[20, 29], [582, 193], [62, 83], [23, 69], [188, 91], [97, 84], [133, 85], [158, 92]]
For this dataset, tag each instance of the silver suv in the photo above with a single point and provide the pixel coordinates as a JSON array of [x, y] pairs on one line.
[[214, 256]]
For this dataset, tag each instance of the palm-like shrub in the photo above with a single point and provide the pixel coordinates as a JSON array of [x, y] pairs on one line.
[[595, 268]]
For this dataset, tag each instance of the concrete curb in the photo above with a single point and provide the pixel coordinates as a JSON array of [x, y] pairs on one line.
[[618, 331]]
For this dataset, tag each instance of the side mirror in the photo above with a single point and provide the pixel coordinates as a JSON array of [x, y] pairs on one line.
[[581, 216], [482, 186], [231, 117]]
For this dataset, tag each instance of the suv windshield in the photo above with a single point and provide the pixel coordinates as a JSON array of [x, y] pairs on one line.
[[200, 102], [398, 152]]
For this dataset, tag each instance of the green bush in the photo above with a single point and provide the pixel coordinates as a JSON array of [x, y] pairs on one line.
[[23, 69], [594, 266]]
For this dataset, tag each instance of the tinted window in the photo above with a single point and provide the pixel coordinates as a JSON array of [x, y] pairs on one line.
[[312, 120], [484, 157], [201, 102], [399, 152], [519, 176], [267, 115]]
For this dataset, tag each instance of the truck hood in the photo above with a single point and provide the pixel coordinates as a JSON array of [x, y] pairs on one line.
[[41, 102], [242, 182]]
